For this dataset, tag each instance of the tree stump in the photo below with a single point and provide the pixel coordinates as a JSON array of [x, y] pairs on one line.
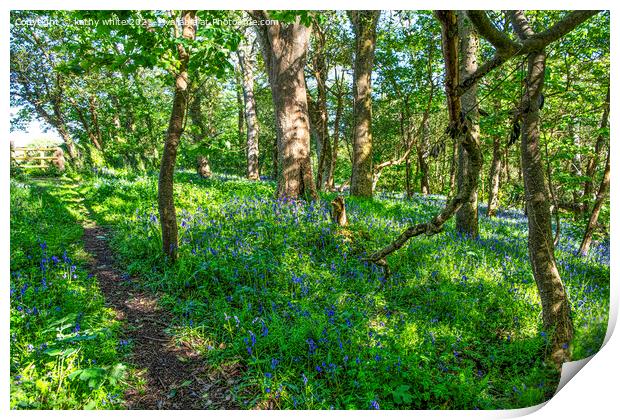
[[59, 159], [339, 212], [202, 167]]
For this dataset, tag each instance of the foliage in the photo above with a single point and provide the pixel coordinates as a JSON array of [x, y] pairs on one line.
[[65, 351], [275, 287]]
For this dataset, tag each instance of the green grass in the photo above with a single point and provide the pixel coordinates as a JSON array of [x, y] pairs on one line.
[[276, 288], [64, 342]]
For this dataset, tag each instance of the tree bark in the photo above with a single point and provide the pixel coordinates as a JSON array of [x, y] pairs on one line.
[[422, 163], [453, 165], [459, 129], [319, 69], [600, 141], [554, 300], [602, 194], [247, 63], [467, 215], [285, 46], [494, 177], [94, 116], [365, 25], [336, 139], [167, 211], [85, 125]]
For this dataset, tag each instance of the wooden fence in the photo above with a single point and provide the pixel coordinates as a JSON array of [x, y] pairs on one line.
[[37, 157]]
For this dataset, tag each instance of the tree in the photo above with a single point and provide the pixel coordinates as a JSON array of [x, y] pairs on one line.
[[555, 306], [318, 108], [458, 128], [600, 140], [494, 176], [247, 62], [467, 215], [601, 195], [284, 50], [36, 80], [165, 190], [556, 310], [364, 24]]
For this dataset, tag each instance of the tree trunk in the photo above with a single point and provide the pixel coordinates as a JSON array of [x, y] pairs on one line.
[[336, 139], [467, 215], [575, 166], [240, 112], [556, 313], [554, 300], [94, 116], [422, 162], [407, 140], [457, 129], [285, 46], [365, 25], [66, 137], [319, 67], [453, 165], [600, 141], [494, 177], [247, 64], [602, 194], [167, 212]]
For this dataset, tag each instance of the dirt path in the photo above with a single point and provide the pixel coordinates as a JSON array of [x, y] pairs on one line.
[[173, 376]]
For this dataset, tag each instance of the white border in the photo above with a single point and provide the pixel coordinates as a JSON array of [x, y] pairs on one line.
[[593, 393]]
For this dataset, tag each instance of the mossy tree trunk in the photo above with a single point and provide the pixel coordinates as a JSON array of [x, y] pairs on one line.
[[365, 26], [165, 191]]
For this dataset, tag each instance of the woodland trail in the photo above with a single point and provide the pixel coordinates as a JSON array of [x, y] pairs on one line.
[[167, 375]]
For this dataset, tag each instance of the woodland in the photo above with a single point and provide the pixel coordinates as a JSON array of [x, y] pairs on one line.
[[363, 209]]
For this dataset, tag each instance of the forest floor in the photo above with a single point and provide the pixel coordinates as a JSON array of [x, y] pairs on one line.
[[174, 378], [270, 305]]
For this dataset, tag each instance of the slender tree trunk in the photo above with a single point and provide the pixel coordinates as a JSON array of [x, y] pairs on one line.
[[453, 165], [92, 136], [457, 129], [602, 194], [494, 177], [407, 140], [336, 139], [575, 167], [167, 212], [600, 141], [247, 64], [285, 46], [240, 111], [324, 152], [556, 312], [94, 116], [467, 215], [555, 306], [58, 122], [365, 25], [422, 162], [506, 167]]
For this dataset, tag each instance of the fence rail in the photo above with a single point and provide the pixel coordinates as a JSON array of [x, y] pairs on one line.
[[37, 157]]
